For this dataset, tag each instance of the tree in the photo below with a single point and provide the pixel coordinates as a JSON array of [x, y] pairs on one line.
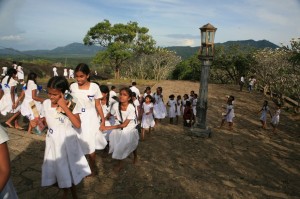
[[122, 41]]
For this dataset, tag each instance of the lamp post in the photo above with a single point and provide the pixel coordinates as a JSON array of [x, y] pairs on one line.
[[206, 54]]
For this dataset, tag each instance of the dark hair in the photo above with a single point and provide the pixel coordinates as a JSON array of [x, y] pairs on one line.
[[20, 63], [187, 103], [105, 89], [31, 76], [112, 87], [133, 83], [127, 90], [14, 62], [178, 96], [10, 73], [195, 95], [147, 89], [59, 83], [133, 94], [150, 97], [172, 96], [84, 68]]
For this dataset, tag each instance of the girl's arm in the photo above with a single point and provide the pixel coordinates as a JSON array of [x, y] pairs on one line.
[[150, 112], [4, 165], [119, 126], [35, 97], [100, 111], [228, 111], [22, 95], [74, 118], [12, 95], [141, 112]]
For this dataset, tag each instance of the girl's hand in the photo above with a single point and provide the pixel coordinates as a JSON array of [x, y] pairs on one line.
[[62, 102], [33, 123], [102, 128]]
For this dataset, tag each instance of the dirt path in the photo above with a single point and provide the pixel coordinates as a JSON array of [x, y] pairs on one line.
[[247, 162]]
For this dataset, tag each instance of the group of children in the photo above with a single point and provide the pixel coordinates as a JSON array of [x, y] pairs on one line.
[[84, 117], [80, 119]]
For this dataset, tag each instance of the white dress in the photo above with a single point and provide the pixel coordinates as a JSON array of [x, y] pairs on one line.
[[65, 73], [25, 107], [90, 137], [55, 71], [179, 103], [123, 141], [194, 105], [64, 161], [229, 116], [159, 109], [20, 73], [111, 121], [6, 102], [275, 118], [264, 112], [147, 120], [172, 108]]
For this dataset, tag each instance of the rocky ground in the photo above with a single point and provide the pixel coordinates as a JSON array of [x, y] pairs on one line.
[[248, 162]]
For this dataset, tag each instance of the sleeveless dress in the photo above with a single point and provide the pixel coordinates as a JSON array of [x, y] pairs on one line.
[[90, 137]]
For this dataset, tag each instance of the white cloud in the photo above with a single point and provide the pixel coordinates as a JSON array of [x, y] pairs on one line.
[[11, 38], [188, 42]]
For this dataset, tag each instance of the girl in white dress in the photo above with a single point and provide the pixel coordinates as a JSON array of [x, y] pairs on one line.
[[275, 118], [64, 162], [20, 73], [172, 108], [106, 104], [179, 107], [124, 138], [147, 115], [194, 104], [65, 72], [264, 110], [30, 93], [9, 101], [88, 95], [229, 115], [159, 109]]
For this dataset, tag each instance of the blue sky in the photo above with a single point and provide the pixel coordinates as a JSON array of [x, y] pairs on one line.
[[47, 24]]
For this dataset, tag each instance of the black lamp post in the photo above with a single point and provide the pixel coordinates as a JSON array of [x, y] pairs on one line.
[[206, 54]]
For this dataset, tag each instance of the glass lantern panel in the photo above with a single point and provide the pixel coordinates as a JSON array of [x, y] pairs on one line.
[[210, 37], [203, 37]]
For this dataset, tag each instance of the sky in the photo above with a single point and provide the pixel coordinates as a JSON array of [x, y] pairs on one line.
[[47, 24]]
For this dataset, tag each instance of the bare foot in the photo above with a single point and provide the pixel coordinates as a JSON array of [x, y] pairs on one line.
[[9, 125]]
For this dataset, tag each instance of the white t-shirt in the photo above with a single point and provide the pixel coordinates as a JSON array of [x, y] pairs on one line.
[[242, 79], [128, 114], [136, 90]]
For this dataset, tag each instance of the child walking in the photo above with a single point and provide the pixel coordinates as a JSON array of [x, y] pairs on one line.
[[8, 102], [64, 162], [30, 93], [188, 115], [179, 107], [147, 116], [229, 115], [172, 108], [275, 118], [88, 95], [159, 109], [264, 110], [124, 137]]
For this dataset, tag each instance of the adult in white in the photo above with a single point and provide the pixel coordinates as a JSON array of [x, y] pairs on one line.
[[20, 73], [66, 73], [54, 71], [133, 88], [71, 73]]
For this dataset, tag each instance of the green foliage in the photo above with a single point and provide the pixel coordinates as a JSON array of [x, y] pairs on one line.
[[189, 69], [122, 42]]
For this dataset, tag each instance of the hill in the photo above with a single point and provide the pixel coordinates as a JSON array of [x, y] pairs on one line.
[[79, 50], [187, 51]]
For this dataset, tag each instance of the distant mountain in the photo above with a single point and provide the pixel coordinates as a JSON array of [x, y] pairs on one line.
[[70, 50], [187, 51], [80, 50]]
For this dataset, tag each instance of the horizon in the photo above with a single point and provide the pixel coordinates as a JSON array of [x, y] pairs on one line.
[[33, 24]]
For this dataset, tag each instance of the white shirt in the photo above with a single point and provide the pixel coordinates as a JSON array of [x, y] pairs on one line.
[[136, 90], [242, 79]]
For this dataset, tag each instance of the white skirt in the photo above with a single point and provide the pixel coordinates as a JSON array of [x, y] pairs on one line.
[[159, 110], [147, 121], [90, 137], [122, 143], [64, 161], [6, 104]]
